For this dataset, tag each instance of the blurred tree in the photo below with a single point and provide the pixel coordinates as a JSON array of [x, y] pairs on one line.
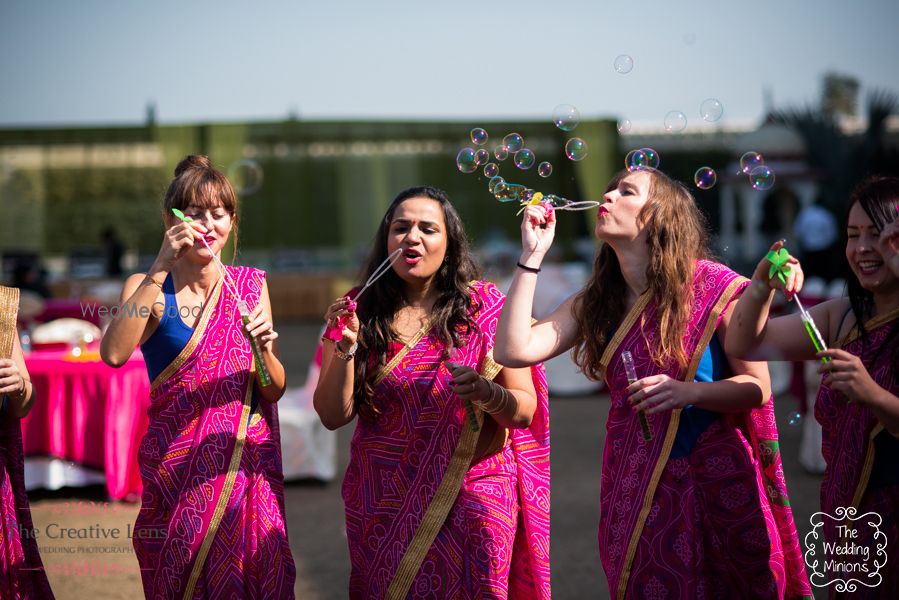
[[844, 158]]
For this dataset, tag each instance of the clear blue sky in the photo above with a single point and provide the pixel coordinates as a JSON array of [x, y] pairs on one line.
[[93, 62]]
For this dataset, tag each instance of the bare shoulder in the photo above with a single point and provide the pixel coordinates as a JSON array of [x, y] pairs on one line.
[[131, 285]]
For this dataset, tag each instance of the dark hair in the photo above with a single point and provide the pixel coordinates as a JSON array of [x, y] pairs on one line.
[[877, 195], [198, 183], [676, 236], [377, 308]]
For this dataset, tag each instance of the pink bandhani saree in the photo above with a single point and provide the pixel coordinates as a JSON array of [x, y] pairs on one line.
[[849, 431], [211, 523], [21, 570], [715, 523], [422, 520]]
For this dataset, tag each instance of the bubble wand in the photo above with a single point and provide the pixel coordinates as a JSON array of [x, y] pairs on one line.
[[780, 268], [264, 377], [334, 333], [631, 371]]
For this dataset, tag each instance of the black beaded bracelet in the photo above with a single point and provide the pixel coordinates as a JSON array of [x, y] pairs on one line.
[[528, 269]]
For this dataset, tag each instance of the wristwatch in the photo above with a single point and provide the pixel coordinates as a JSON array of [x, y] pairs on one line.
[[349, 354]]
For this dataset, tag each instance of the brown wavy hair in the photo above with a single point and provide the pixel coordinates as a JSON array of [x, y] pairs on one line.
[[676, 235], [377, 308], [198, 183]]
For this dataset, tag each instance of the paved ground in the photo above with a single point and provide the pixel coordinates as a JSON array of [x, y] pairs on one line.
[[106, 569]]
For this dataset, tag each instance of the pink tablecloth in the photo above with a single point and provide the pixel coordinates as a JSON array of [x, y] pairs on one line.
[[90, 414]]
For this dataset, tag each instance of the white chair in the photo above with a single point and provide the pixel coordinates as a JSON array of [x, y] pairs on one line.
[[308, 449], [65, 331]]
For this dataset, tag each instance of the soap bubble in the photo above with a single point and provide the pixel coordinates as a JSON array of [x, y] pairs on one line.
[[501, 153], [494, 181], [245, 176], [491, 170], [675, 121], [576, 149], [705, 178], [711, 110], [652, 157], [467, 160], [623, 64], [636, 160], [544, 169], [762, 177], [750, 160], [795, 418], [482, 156], [513, 142], [525, 159], [478, 136], [566, 117], [624, 125]]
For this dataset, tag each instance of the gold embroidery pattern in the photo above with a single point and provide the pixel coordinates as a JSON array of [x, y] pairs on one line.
[[9, 308]]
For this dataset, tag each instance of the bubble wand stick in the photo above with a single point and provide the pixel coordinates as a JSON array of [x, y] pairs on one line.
[[631, 371], [333, 333], [780, 268], [264, 377]]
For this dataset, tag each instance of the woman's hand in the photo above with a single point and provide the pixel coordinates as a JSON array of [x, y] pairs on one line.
[[341, 315], [794, 280], [536, 239], [659, 393], [260, 326], [11, 379], [468, 384], [178, 239], [846, 374]]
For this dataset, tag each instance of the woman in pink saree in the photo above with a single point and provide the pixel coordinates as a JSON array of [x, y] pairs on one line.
[[693, 503], [447, 490], [22, 573], [211, 523], [858, 401]]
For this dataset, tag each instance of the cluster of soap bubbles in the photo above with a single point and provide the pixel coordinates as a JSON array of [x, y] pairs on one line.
[[469, 159], [761, 177], [644, 158]]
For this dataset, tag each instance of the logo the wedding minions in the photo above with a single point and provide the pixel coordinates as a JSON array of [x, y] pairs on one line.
[[845, 550]]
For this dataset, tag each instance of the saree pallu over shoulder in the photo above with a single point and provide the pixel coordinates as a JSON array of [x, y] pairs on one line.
[[211, 522], [407, 467], [22, 573], [848, 429], [632, 467]]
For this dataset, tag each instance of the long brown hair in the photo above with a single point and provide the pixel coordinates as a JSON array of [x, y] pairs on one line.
[[676, 235], [378, 307], [198, 183]]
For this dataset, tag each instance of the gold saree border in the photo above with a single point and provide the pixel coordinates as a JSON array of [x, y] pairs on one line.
[[389, 367], [9, 309], [707, 333], [225, 494], [622, 330], [869, 325], [194, 340], [442, 502], [867, 466]]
